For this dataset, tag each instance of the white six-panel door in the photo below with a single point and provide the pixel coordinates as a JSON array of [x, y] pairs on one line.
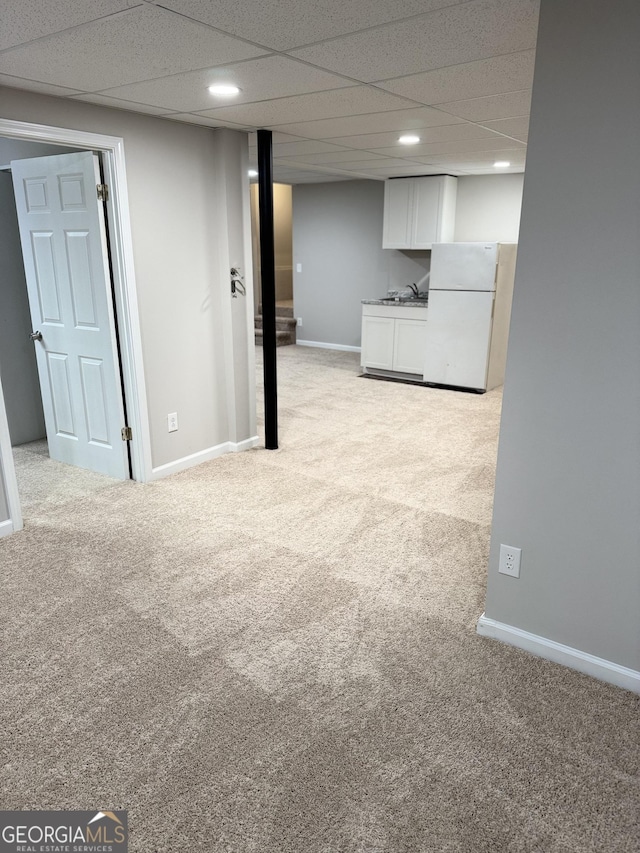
[[63, 237]]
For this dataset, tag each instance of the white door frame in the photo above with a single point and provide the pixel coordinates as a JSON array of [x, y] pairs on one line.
[[121, 244], [8, 475]]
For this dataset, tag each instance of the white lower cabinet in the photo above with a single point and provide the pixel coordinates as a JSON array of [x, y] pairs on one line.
[[409, 343], [393, 339], [377, 342]]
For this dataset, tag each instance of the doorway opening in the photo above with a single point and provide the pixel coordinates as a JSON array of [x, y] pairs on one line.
[[30, 292], [33, 470], [283, 248]]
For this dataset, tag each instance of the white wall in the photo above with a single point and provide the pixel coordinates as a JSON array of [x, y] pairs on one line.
[[568, 476], [488, 208], [175, 198], [337, 237], [7, 473], [4, 510]]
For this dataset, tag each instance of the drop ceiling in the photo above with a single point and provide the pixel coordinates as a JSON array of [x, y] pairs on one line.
[[337, 81]]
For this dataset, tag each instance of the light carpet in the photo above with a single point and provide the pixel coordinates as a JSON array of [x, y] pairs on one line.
[[275, 652]]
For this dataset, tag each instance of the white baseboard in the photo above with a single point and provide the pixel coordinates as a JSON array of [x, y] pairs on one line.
[[202, 456], [247, 444], [6, 528], [342, 347], [605, 670]]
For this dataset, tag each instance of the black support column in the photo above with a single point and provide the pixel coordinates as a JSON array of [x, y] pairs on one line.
[[268, 271]]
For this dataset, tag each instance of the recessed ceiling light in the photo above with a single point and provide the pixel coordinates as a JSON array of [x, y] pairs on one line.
[[409, 139], [253, 173], [501, 164], [224, 89]]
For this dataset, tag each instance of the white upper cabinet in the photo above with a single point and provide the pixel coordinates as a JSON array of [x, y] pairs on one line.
[[419, 212], [398, 208]]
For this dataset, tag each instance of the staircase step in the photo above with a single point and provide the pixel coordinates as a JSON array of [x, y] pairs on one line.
[[283, 324], [283, 339], [284, 311], [281, 310]]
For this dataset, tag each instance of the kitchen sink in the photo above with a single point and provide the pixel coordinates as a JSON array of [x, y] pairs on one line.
[[395, 300]]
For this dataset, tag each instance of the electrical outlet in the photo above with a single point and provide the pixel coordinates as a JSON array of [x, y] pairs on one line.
[[298, 267], [509, 563], [298, 321], [172, 422]]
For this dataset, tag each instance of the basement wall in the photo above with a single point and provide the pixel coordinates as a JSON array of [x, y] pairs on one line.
[[177, 201], [568, 476]]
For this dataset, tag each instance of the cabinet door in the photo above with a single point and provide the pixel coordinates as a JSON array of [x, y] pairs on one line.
[[409, 345], [426, 217], [377, 342], [398, 214]]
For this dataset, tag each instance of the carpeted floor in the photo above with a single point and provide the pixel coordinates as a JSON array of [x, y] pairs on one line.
[[275, 652], [43, 481]]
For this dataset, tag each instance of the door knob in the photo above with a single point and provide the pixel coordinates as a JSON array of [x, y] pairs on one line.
[[36, 336]]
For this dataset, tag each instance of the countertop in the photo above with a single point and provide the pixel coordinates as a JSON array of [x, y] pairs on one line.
[[397, 303]]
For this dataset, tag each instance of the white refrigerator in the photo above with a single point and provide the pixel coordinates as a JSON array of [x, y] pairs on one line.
[[470, 293]]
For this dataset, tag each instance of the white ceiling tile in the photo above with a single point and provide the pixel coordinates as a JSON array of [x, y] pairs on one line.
[[516, 128], [487, 170], [312, 148], [190, 118], [326, 179], [283, 24], [304, 170], [276, 138], [338, 156], [305, 107], [35, 86], [475, 159], [462, 99], [312, 178], [372, 163], [31, 19], [449, 36], [478, 168], [259, 80], [105, 101], [372, 123], [447, 133], [471, 80], [461, 146], [407, 171], [145, 41], [309, 147], [491, 107]]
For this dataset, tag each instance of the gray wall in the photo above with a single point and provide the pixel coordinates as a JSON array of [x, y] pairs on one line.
[[233, 228], [17, 353], [337, 237], [568, 477], [174, 201]]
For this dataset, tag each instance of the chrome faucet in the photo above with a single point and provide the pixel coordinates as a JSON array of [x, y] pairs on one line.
[[414, 289]]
